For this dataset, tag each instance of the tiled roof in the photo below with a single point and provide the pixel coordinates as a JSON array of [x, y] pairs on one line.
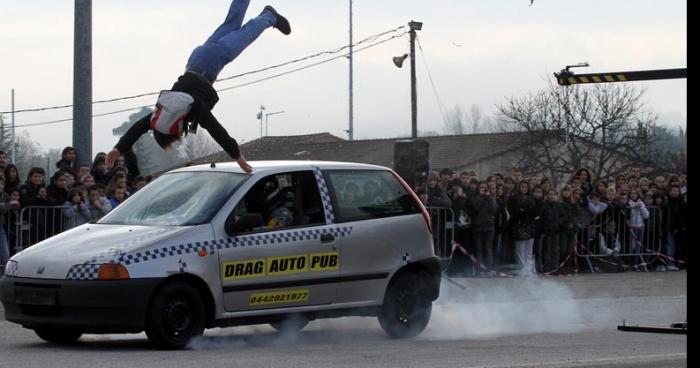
[[445, 151]]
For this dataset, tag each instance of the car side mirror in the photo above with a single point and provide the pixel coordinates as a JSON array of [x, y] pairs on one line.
[[245, 223]]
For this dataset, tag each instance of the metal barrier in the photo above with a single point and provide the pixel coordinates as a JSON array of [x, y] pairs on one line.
[[36, 223], [613, 231], [443, 222]]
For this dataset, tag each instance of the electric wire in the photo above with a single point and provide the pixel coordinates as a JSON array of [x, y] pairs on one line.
[[332, 51]]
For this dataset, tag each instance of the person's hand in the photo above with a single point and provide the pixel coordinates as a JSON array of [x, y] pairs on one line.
[[112, 157], [42, 193], [14, 204], [244, 164]]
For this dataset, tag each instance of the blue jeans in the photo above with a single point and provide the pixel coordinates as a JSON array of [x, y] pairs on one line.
[[229, 40], [4, 247], [671, 247]]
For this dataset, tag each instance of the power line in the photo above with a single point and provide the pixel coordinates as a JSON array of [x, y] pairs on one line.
[[437, 97], [332, 51], [71, 119], [239, 85]]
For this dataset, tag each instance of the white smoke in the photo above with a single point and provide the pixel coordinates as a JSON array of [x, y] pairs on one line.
[[497, 307]]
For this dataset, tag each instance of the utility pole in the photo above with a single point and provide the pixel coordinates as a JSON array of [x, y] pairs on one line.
[[351, 132], [82, 81], [414, 26], [14, 143]]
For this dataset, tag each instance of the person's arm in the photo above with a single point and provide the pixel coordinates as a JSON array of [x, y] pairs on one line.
[[222, 137], [127, 141]]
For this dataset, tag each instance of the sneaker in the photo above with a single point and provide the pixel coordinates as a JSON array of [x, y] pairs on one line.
[[282, 23], [661, 268], [671, 268]]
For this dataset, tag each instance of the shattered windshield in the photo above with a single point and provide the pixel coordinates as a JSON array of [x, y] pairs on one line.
[[177, 199]]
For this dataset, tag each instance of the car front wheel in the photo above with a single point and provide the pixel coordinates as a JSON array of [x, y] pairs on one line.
[[176, 315], [407, 306]]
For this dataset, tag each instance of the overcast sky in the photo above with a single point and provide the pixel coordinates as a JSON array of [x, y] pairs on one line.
[[479, 52]]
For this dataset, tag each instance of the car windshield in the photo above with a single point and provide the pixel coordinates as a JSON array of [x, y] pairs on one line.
[[177, 199]]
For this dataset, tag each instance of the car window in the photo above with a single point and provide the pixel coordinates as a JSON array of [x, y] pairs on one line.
[[362, 194], [284, 201], [177, 199]]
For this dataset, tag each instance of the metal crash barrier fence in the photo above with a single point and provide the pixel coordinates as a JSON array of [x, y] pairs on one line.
[[615, 238], [443, 221], [35, 223]]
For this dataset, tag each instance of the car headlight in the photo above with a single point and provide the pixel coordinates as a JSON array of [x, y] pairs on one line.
[[11, 269]]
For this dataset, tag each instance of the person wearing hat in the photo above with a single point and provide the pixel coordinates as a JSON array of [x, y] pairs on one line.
[[188, 104]]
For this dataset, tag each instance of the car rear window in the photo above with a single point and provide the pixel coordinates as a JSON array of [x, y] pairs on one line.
[[364, 194]]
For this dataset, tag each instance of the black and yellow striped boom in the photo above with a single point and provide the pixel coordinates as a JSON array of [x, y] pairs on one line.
[[567, 78]]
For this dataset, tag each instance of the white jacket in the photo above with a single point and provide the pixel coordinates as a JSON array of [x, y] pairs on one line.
[[638, 213]]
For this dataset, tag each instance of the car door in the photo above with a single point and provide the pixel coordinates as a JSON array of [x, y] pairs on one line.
[[293, 259]]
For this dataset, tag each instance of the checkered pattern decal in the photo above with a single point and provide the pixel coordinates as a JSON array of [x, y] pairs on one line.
[[83, 272], [325, 196], [406, 258], [88, 270]]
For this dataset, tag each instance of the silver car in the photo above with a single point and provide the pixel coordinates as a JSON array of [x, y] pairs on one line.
[[211, 246]]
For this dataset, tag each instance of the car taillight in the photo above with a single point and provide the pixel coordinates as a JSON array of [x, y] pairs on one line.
[[113, 271], [416, 200]]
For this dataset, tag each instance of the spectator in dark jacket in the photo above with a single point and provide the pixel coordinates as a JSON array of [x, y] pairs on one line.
[[57, 190], [523, 213], [6, 207], [436, 196], [67, 161], [12, 179], [29, 191], [552, 216], [675, 202], [538, 195], [483, 209], [571, 213]]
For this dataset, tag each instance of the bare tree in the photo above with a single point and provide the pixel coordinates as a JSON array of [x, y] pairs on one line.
[[454, 123], [603, 128]]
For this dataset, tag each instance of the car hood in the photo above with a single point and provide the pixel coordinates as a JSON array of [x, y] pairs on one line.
[[87, 244]]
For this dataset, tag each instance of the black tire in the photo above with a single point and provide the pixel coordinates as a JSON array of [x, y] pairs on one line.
[[175, 316], [407, 306], [291, 324], [58, 335]]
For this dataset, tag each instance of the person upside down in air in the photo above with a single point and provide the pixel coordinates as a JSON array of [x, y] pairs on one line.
[[188, 104]]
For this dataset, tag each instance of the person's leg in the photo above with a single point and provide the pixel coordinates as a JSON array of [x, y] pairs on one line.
[[520, 254], [479, 246], [529, 264], [235, 42], [233, 21], [4, 247], [489, 250]]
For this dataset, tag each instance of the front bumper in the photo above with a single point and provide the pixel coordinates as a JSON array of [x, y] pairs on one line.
[[90, 306]]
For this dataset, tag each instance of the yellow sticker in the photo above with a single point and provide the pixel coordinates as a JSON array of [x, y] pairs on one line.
[[279, 266], [287, 265], [279, 297], [324, 261], [244, 269]]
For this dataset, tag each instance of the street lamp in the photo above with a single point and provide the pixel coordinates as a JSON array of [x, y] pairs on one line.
[[260, 117], [398, 61], [267, 117]]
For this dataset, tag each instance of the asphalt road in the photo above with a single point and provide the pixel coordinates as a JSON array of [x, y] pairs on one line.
[[568, 321]]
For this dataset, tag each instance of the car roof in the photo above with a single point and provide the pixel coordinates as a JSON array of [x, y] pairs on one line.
[[270, 166]]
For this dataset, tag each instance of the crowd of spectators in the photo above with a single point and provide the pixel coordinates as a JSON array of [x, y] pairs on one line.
[[630, 222], [73, 195]]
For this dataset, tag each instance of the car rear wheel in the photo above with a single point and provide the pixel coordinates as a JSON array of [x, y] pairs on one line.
[[407, 306], [58, 335], [176, 315], [290, 324]]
